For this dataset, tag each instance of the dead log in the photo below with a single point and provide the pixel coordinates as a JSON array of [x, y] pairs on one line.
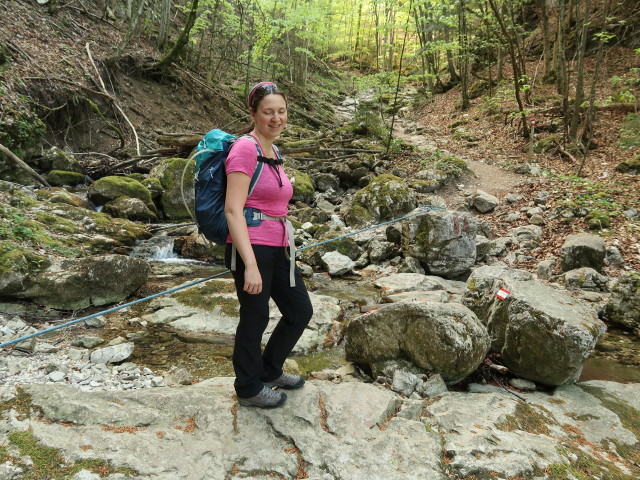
[[183, 140], [23, 166]]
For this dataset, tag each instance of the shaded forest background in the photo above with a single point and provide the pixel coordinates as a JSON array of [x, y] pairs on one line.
[[104, 79]]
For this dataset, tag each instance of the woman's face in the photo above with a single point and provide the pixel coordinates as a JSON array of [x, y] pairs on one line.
[[271, 116]]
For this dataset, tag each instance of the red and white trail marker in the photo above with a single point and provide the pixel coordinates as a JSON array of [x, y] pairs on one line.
[[503, 294]]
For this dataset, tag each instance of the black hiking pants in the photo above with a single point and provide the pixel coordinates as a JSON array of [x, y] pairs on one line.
[[253, 366]]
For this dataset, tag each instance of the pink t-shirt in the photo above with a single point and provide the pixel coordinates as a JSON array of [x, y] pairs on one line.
[[268, 196]]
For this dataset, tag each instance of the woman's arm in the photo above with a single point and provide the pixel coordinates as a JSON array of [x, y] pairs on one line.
[[237, 191]]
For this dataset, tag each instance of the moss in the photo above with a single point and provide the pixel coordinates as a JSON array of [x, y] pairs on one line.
[[526, 418], [56, 222], [58, 178], [49, 463], [356, 216], [302, 186], [208, 297], [597, 220], [13, 258], [583, 466], [630, 166], [109, 188], [629, 418], [472, 285]]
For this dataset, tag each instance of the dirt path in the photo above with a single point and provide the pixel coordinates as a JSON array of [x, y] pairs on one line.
[[491, 177]]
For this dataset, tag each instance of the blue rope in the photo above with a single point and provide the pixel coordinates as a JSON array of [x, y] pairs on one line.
[[191, 284]]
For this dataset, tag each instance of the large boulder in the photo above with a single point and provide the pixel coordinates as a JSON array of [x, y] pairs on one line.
[[445, 338], [75, 283], [583, 250], [444, 242], [386, 197], [542, 333], [176, 176], [109, 188], [302, 185], [624, 304]]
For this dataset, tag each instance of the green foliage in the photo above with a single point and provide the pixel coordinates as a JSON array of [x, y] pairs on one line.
[[49, 463], [446, 163], [630, 134]]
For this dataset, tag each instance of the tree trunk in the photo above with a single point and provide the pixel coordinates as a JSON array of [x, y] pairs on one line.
[[165, 16], [182, 41], [546, 39], [577, 104], [464, 60], [455, 78]]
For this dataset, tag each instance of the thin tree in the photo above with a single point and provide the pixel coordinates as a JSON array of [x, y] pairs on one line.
[[182, 41]]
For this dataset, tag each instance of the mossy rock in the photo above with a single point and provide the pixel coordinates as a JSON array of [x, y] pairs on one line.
[[18, 266], [385, 198], [630, 166], [21, 131], [60, 195], [170, 173], [56, 159], [597, 220], [547, 144], [58, 178], [131, 209], [302, 185], [112, 187], [152, 183]]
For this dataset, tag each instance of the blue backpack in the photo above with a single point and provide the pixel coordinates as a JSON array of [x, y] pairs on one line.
[[210, 183]]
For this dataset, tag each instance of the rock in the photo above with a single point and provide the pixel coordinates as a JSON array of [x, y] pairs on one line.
[[585, 278], [109, 188], [582, 250], [58, 178], [484, 202], [443, 242], [537, 220], [545, 269], [112, 354], [56, 376], [75, 283], [410, 265], [435, 386], [527, 236], [631, 166], [522, 384], [385, 198], [623, 306], [613, 257], [96, 322], [379, 250], [404, 382], [337, 264], [326, 181], [178, 376], [418, 295], [302, 185], [86, 341], [542, 333], [170, 173], [131, 209], [512, 198], [444, 338], [407, 282]]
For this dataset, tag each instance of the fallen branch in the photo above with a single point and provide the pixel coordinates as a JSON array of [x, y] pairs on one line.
[[564, 152], [104, 89], [23, 165], [350, 150]]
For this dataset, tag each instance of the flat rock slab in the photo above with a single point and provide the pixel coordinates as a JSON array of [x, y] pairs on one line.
[[328, 431]]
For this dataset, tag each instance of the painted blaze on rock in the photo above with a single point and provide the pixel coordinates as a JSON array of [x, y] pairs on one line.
[[543, 333]]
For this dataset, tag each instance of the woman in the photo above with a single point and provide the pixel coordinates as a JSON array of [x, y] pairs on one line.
[[263, 268]]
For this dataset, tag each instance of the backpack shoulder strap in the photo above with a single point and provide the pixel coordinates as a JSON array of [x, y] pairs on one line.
[[259, 166]]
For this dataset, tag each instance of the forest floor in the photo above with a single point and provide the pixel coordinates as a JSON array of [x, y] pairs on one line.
[[499, 148]]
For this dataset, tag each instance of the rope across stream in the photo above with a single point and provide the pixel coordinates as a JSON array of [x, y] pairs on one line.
[[422, 211]]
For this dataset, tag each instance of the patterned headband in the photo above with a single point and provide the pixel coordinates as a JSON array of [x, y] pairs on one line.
[[258, 86]]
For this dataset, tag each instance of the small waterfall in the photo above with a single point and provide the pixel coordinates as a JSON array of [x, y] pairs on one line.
[[156, 248]]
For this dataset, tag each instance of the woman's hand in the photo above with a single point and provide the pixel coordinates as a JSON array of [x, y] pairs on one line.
[[252, 280]]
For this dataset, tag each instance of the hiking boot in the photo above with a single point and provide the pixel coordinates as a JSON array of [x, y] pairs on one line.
[[287, 381], [267, 398]]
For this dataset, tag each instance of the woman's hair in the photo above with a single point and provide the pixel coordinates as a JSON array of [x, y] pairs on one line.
[[257, 93]]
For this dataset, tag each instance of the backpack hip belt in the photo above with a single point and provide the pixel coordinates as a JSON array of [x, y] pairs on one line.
[[290, 253]]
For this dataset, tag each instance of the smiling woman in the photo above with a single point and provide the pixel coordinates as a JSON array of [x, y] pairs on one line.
[[266, 267]]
